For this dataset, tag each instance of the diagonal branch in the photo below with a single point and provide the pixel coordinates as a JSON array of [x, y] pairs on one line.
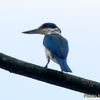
[[48, 75]]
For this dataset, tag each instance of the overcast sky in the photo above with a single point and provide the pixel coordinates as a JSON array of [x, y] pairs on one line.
[[79, 21]]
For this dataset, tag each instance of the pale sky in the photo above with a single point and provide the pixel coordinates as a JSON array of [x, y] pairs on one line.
[[79, 21]]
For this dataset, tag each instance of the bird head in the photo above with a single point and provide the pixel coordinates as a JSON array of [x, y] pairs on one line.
[[46, 28]]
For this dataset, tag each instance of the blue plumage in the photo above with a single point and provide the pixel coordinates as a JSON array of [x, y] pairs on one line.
[[58, 46]]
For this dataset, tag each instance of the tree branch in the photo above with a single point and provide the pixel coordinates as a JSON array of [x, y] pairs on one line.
[[48, 75]]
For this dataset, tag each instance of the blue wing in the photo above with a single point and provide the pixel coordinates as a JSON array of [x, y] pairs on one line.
[[56, 44]]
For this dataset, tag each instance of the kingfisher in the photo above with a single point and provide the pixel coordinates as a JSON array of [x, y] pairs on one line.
[[56, 46]]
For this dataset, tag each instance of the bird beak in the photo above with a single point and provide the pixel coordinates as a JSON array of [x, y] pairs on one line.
[[36, 31]]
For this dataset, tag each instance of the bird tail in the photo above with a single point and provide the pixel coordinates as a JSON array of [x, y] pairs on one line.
[[64, 66]]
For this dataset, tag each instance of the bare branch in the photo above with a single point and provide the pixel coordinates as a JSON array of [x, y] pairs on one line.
[[48, 75]]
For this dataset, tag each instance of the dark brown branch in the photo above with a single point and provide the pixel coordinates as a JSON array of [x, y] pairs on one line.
[[48, 75]]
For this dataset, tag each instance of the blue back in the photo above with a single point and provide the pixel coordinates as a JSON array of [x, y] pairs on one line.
[[56, 44]]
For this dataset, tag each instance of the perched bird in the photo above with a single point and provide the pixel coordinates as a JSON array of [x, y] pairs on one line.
[[56, 46]]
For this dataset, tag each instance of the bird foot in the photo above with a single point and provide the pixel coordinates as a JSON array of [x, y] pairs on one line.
[[45, 66]]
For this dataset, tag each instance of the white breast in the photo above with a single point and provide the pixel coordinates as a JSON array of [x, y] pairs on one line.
[[48, 55]]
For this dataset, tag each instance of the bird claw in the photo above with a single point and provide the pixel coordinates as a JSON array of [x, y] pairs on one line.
[[45, 66]]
